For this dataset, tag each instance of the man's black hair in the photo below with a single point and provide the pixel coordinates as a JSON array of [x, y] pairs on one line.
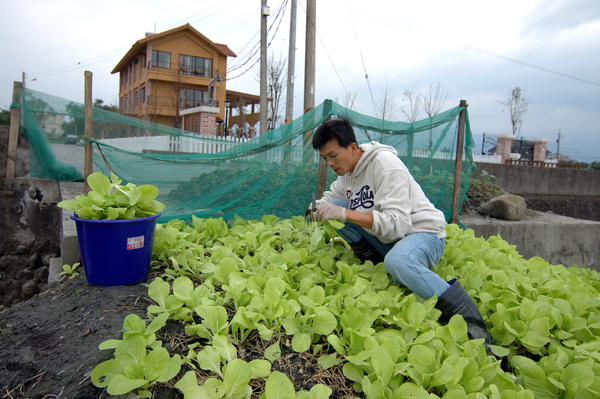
[[338, 129]]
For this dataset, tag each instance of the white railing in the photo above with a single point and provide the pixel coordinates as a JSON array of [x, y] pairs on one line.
[[197, 144], [451, 155], [487, 158]]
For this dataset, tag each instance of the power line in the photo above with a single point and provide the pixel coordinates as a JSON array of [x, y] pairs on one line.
[[363, 61], [326, 52], [203, 11], [256, 47], [278, 18], [116, 52], [70, 68], [408, 28]]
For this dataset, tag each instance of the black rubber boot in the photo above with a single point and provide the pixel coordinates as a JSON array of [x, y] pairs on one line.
[[456, 301], [365, 251]]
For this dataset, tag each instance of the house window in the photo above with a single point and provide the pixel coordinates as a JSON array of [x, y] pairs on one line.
[[195, 66], [189, 98], [161, 59], [135, 98], [143, 60], [143, 92]]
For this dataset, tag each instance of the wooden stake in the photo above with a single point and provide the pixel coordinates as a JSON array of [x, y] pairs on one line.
[[88, 167], [458, 163], [13, 135]]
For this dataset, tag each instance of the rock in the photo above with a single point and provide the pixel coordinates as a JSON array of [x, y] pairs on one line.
[[41, 274], [7, 261], [30, 289], [46, 258], [24, 274], [23, 249], [506, 207], [34, 261]]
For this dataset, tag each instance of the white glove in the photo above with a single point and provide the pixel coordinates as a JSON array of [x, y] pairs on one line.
[[329, 211]]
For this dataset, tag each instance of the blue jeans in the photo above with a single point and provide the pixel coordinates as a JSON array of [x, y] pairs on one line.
[[408, 260]]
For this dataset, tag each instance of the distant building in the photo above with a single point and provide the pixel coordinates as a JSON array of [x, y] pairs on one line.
[[168, 72], [551, 156]]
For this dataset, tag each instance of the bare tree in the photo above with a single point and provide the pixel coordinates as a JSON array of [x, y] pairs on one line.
[[347, 100], [433, 101], [411, 106], [517, 105], [276, 85], [386, 109]]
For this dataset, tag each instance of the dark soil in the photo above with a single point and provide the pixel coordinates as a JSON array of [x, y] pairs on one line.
[[49, 344], [479, 193]]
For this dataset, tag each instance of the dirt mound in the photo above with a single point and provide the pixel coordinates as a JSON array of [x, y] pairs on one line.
[[49, 344]]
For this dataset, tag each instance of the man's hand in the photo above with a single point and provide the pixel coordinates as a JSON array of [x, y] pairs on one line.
[[329, 211]]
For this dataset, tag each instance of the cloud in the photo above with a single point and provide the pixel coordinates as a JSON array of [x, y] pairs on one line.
[[551, 17]]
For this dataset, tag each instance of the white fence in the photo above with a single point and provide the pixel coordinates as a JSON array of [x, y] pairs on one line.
[[479, 158], [198, 144]]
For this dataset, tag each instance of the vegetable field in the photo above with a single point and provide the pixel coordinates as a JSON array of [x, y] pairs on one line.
[[291, 284]]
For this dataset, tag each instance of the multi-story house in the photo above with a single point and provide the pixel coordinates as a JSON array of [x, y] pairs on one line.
[[166, 76]]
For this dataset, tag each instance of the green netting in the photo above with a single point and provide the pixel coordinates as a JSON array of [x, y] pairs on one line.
[[207, 176]]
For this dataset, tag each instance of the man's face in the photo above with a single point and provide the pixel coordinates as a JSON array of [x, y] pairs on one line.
[[342, 160]]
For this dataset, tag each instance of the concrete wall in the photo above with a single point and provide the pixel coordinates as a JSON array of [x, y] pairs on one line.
[[568, 192], [557, 239], [538, 181]]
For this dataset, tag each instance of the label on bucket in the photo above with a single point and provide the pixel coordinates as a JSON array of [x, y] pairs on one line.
[[135, 242]]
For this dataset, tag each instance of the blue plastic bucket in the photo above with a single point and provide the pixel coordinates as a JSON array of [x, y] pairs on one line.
[[115, 252]]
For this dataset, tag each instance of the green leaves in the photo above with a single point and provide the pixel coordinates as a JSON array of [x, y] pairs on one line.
[[133, 367], [108, 200], [293, 283]]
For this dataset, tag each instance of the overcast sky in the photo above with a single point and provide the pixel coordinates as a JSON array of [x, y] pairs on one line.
[[478, 50]]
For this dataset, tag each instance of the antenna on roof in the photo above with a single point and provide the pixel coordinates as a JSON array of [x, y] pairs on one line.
[[155, 27]]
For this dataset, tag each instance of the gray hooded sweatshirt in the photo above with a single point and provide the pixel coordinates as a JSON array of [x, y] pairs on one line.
[[382, 186]]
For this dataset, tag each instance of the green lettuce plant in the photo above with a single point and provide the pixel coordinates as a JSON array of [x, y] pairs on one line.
[[134, 367], [292, 281], [109, 200]]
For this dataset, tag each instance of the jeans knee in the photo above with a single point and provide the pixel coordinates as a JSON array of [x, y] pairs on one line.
[[396, 265]]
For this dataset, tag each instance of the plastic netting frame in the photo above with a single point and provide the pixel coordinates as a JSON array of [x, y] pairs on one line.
[[206, 176]]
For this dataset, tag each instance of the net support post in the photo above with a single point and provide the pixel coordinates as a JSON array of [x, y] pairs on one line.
[[88, 151], [460, 140], [13, 133]]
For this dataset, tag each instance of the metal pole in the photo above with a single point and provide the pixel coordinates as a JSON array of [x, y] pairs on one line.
[[458, 162], [88, 157], [264, 107], [289, 100]]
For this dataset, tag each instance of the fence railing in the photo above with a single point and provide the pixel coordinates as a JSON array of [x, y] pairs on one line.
[[543, 164], [197, 144], [200, 144]]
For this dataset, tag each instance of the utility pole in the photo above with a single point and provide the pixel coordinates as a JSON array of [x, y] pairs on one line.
[[264, 108], [309, 60], [558, 147], [289, 99]]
